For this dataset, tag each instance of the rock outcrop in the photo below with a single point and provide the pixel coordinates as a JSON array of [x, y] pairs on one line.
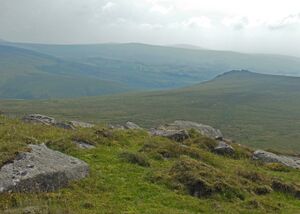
[[269, 157], [224, 149], [46, 120], [39, 118], [41, 170], [79, 124], [176, 135], [205, 130]]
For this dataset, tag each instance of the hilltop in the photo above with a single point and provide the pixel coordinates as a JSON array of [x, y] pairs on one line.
[[27, 74], [132, 171]]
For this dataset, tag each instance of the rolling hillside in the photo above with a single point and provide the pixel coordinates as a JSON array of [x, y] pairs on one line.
[[255, 109], [27, 74], [197, 64], [139, 67]]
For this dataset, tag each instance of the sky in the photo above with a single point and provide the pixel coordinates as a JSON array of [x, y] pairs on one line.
[[254, 26]]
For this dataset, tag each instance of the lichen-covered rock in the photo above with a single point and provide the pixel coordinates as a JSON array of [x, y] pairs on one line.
[[39, 118], [205, 130], [41, 170], [269, 157], [224, 148], [176, 135], [131, 125]]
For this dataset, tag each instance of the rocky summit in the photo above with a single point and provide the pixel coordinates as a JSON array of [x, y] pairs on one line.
[[41, 170]]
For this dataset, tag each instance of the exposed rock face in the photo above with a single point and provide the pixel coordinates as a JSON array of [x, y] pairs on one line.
[[205, 130], [176, 135], [269, 157], [224, 148], [131, 125], [41, 170], [39, 118], [79, 124]]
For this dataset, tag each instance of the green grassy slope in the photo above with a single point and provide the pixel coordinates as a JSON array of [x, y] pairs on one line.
[[131, 174], [258, 110], [26, 74]]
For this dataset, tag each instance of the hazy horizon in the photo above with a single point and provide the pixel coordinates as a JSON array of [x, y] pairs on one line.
[[248, 26]]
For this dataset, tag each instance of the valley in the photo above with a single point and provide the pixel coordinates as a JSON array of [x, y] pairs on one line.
[[255, 109]]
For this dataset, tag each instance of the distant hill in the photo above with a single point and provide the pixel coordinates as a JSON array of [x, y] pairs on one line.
[[120, 67], [26, 74], [199, 65], [187, 46], [255, 109]]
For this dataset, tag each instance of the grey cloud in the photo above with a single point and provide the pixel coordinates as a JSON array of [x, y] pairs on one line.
[[98, 21], [236, 23], [288, 21]]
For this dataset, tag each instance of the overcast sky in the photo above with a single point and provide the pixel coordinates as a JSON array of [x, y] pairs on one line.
[[270, 26]]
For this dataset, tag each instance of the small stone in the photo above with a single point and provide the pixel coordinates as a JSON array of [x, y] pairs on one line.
[[64, 125], [131, 125], [79, 124], [83, 144]]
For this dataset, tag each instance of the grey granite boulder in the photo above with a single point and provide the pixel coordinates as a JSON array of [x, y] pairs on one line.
[[79, 124], [224, 149], [46, 120], [269, 157], [39, 118], [41, 170], [176, 135], [131, 125], [205, 130]]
